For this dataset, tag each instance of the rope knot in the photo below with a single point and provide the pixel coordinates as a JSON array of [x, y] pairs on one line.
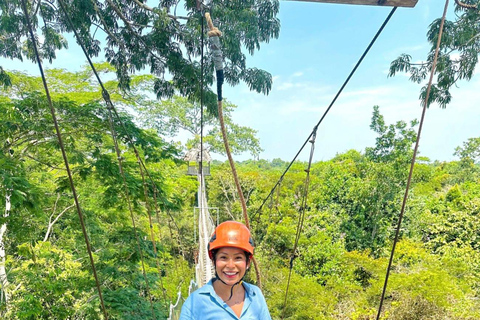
[[215, 32]]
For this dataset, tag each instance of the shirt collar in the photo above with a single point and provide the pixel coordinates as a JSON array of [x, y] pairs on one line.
[[208, 289]]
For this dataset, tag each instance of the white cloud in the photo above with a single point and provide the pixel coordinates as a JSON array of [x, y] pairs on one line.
[[284, 86]]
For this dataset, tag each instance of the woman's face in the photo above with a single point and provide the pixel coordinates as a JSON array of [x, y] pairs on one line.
[[230, 264]]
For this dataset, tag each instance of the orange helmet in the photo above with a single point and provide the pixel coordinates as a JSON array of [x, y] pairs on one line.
[[231, 234]]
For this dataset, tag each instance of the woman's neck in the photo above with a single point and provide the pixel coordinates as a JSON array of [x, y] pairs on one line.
[[224, 291]]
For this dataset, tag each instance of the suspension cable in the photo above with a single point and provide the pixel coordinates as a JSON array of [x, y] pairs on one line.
[[328, 109], [301, 217], [425, 106], [65, 159]]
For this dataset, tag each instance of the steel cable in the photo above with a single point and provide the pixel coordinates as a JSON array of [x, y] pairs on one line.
[[402, 211]]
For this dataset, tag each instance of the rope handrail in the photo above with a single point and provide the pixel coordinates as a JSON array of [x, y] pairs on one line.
[[173, 306]]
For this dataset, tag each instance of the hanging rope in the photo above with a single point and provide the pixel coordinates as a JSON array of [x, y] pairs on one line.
[[216, 49], [329, 107], [65, 159], [425, 106], [301, 217], [107, 99]]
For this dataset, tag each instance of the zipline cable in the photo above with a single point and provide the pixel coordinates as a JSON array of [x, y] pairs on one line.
[[65, 159], [328, 109], [301, 217], [425, 106]]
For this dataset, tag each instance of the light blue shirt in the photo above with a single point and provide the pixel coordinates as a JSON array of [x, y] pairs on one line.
[[205, 304]]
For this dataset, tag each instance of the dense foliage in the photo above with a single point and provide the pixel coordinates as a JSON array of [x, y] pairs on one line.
[[340, 264], [338, 268], [133, 36], [353, 204]]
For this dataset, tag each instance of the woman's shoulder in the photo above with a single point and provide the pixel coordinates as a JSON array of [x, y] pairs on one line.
[[204, 291], [251, 288]]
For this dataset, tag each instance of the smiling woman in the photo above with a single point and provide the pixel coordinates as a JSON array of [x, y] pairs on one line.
[[227, 296]]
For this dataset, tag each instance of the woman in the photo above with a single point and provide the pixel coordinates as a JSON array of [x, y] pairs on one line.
[[226, 296]]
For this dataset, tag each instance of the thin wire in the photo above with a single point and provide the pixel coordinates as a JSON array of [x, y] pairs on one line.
[[301, 218], [425, 105], [157, 214], [111, 107], [65, 159], [329, 107]]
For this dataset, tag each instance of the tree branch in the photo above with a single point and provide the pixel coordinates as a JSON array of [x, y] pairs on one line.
[[44, 163], [128, 24], [97, 10], [51, 223], [144, 6], [38, 7]]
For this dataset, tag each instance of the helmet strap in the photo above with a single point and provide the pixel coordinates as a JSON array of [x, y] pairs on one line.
[[231, 287], [238, 282]]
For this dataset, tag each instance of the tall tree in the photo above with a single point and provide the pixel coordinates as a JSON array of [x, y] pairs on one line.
[[470, 151], [394, 142], [168, 117]]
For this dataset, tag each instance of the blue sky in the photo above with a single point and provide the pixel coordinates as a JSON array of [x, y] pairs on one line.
[[318, 46]]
